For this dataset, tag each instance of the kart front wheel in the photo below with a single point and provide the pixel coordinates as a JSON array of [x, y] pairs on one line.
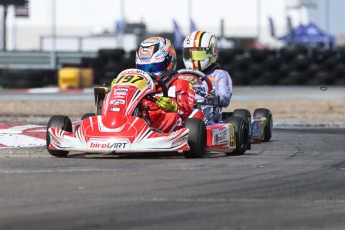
[[262, 112], [62, 122], [196, 138], [241, 134]]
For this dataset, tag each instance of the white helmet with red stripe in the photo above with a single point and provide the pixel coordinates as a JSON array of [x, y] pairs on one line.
[[200, 50]]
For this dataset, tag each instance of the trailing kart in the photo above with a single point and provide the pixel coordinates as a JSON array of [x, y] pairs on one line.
[[123, 127], [260, 125]]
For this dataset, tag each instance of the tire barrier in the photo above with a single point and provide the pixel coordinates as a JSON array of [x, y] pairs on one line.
[[285, 66], [27, 78]]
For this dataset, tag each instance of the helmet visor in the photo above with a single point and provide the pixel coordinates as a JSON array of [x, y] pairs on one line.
[[154, 68], [197, 54]]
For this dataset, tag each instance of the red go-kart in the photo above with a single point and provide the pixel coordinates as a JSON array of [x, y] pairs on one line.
[[123, 126]]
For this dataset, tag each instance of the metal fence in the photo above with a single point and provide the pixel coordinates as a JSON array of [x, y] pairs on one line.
[[40, 60]]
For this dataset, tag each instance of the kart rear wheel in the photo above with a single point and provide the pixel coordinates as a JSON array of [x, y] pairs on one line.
[[241, 134], [245, 114], [262, 112], [196, 138], [62, 122]]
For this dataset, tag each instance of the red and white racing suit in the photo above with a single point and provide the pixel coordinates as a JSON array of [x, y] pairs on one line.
[[181, 92]]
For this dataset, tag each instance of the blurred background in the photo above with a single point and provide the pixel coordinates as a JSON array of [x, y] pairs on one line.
[[81, 43]]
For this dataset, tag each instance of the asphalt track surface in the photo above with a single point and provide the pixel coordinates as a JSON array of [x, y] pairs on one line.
[[295, 181]]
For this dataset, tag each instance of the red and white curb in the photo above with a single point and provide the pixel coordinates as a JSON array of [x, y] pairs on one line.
[[22, 135]]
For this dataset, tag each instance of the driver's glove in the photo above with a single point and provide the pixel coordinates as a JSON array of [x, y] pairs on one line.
[[166, 104]]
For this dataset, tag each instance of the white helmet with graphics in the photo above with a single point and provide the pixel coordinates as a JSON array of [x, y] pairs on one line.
[[200, 50]]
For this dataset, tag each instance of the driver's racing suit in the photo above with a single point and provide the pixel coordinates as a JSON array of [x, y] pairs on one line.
[[181, 92], [222, 84]]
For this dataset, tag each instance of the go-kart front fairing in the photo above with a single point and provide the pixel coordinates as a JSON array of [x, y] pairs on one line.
[[121, 127]]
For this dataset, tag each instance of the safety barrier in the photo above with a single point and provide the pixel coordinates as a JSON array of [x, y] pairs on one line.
[[286, 66]]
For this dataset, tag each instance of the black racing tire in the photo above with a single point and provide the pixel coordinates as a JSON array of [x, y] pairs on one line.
[[258, 55], [21, 84], [23, 78], [263, 112], [196, 138], [301, 62], [273, 63], [246, 115], [62, 122], [294, 78], [112, 54], [241, 77], [269, 78], [289, 53], [225, 115], [256, 69], [241, 134], [241, 63], [86, 115]]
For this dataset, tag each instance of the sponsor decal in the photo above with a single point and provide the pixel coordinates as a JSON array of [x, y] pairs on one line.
[[115, 109], [119, 97], [257, 125], [138, 71], [107, 145], [188, 40], [145, 50], [132, 71], [121, 90], [232, 138], [179, 141], [219, 136], [117, 102]]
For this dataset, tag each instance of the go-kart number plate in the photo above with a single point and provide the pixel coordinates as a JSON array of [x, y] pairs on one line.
[[137, 80]]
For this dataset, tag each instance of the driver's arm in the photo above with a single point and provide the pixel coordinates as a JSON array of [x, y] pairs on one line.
[[224, 88], [185, 98]]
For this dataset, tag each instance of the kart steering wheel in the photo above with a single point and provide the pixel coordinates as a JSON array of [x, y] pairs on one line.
[[200, 75], [161, 83]]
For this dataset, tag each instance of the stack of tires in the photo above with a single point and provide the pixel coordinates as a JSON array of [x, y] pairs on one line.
[[27, 78], [110, 62], [294, 66], [250, 67], [286, 66], [263, 68]]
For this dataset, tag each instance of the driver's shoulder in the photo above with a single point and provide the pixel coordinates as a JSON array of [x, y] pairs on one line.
[[218, 74]]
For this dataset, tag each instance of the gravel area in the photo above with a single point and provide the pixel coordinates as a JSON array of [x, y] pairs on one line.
[[298, 106]]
